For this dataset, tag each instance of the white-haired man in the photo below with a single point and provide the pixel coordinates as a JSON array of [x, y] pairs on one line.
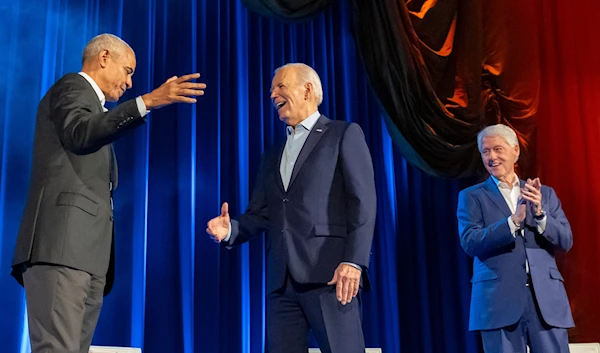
[[316, 197], [513, 228], [63, 255]]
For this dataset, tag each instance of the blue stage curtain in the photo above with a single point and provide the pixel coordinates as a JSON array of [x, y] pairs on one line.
[[175, 290]]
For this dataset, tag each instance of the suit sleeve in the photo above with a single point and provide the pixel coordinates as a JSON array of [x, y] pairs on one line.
[[558, 231], [256, 218], [361, 200], [476, 238], [80, 130]]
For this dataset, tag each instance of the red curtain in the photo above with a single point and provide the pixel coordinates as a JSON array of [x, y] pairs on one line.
[[568, 143]]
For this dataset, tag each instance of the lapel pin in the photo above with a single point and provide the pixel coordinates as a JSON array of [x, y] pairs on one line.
[[319, 130]]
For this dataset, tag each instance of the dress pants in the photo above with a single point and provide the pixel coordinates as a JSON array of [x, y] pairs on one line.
[[529, 330], [63, 306], [297, 308]]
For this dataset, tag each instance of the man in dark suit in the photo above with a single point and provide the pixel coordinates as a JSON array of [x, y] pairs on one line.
[[513, 229], [63, 255], [315, 196]]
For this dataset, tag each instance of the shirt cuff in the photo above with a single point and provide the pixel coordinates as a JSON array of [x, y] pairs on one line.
[[141, 106], [352, 264], [541, 224], [228, 234], [513, 227]]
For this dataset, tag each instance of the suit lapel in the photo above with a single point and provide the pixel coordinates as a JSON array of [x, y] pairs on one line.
[[492, 191], [112, 158], [91, 92], [276, 170], [314, 137], [114, 170]]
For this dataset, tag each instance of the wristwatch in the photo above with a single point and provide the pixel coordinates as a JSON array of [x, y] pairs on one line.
[[540, 216]]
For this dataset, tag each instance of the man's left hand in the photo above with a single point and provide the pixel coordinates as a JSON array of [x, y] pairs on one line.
[[347, 280], [532, 193]]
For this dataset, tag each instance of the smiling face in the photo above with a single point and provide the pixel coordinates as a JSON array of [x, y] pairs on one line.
[[499, 157], [117, 69], [293, 100]]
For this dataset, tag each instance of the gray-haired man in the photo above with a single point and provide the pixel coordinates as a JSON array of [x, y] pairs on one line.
[[63, 255]]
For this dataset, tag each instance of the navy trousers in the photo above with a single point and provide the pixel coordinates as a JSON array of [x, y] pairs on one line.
[[296, 309]]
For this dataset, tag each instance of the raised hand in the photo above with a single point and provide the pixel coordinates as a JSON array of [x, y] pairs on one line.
[[175, 90], [218, 227], [532, 193]]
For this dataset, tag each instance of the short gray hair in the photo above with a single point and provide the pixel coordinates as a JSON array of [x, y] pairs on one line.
[[105, 41], [307, 74], [500, 130]]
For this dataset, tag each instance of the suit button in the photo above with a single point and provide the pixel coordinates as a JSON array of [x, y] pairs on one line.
[[286, 200]]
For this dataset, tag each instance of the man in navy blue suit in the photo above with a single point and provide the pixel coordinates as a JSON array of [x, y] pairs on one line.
[[513, 229], [315, 195]]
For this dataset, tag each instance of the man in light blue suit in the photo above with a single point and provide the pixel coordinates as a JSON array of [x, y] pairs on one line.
[[513, 228], [315, 195]]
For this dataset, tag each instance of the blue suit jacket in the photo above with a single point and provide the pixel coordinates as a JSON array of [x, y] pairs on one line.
[[499, 293], [327, 215]]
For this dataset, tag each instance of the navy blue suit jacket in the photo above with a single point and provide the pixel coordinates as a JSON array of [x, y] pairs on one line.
[[499, 276], [327, 215]]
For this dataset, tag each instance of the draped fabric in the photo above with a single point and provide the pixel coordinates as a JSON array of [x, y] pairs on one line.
[[443, 70], [288, 10], [175, 290], [448, 69]]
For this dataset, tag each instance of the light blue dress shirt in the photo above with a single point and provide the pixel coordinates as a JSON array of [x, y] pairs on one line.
[[293, 146]]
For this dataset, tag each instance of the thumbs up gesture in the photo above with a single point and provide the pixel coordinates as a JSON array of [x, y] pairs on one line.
[[218, 227]]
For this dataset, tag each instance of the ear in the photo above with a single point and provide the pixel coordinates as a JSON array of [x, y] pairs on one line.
[[517, 152], [308, 88], [103, 57]]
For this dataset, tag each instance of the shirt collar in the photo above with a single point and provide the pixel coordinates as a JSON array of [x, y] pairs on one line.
[[307, 123], [96, 88], [500, 184]]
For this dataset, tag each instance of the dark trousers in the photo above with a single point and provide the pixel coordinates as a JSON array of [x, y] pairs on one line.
[[297, 308], [63, 306], [530, 330]]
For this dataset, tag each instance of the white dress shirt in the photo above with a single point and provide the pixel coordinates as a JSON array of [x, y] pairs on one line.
[[139, 101], [512, 196]]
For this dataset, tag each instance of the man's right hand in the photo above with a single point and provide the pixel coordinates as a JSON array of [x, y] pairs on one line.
[[174, 90], [519, 216], [218, 227]]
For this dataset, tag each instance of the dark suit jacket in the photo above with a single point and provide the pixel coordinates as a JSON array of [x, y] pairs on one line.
[[68, 217], [327, 215], [499, 293]]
